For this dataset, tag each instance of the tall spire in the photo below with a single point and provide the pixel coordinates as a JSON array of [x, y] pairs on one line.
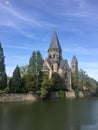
[[55, 43]]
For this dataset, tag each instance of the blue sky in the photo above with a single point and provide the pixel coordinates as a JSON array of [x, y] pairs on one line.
[[28, 25]]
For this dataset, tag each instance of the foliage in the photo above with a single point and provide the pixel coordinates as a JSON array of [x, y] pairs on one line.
[[58, 82], [29, 82], [16, 84], [33, 77], [46, 87], [82, 82], [86, 83], [6, 90], [32, 83], [76, 93], [23, 70], [82, 79], [2, 65], [74, 80], [3, 76], [61, 94], [3, 80], [35, 63]]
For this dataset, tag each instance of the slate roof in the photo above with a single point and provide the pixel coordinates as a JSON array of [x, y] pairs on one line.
[[74, 59], [55, 44], [63, 64]]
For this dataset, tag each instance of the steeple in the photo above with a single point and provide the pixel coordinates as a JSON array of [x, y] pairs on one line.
[[55, 44], [55, 51], [74, 64]]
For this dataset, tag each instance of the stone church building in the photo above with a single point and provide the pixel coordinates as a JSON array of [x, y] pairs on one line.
[[56, 63]]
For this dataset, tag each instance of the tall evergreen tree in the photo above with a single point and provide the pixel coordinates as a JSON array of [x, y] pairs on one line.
[[2, 65], [35, 67], [35, 63], [32, 64], [3, 76], [15, 84], [39, 62]]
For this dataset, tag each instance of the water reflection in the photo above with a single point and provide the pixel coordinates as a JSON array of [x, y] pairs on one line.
[[76, 114]]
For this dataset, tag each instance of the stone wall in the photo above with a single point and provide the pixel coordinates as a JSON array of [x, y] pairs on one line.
[[34, 97], [18, 97], [68, 94]]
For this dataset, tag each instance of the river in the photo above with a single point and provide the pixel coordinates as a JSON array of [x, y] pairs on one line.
[[69, 114]]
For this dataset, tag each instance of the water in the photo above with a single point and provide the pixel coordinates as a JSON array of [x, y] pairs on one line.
[[71, 114]]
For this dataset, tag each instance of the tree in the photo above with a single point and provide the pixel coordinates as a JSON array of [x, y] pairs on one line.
[[35, 63], [35, 69], [16, 84], [74, 77], [32, 64], [2, 65], [46, 87], [3, 80], [86, 83], [3, 76], [82, 79], [58, 82], [29, 82], [23, 70]]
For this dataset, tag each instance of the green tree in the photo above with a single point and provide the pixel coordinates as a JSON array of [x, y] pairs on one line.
[[58, 82], [32, 64], [23, 70], [3, 80], [74, 80], [2, 65], [16, 84], [29, 82], [86, 83], [3, 76], [35, 67], [35, 63], [46, 87], [81, 79]]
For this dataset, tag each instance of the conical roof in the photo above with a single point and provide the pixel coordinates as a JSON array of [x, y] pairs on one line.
[[55, 44], [74, 59]]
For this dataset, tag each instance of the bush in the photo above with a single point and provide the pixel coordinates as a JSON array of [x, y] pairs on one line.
[[44, 93], [76, 93], [61, 94]]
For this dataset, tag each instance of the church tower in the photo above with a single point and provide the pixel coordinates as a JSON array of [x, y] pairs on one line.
[[55, 51], [74, 64]]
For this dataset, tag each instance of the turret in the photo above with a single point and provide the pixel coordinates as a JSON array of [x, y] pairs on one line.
[[74, 64]]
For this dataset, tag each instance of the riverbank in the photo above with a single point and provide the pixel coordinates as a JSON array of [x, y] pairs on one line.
[[35, 97], [18, 97]]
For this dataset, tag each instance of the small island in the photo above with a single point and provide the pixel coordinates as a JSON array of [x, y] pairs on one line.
[[45, 79]]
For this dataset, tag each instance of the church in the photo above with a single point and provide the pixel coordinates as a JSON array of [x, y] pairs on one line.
[[55, 62]]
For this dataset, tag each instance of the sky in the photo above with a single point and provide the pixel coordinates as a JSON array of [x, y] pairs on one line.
[[28, 25]]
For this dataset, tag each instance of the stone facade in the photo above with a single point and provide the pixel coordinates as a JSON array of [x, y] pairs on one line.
[[56, 63]]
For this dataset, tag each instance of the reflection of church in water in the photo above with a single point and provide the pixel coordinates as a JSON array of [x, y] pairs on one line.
[[56, 63]]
